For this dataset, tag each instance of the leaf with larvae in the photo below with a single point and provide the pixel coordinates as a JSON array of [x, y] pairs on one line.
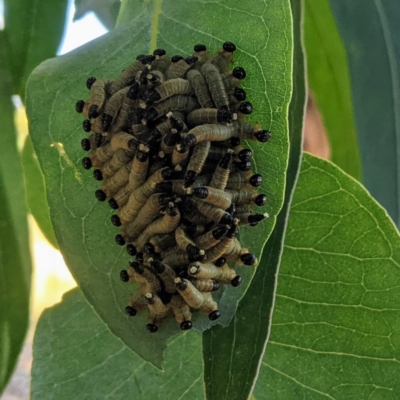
[[82, 225]]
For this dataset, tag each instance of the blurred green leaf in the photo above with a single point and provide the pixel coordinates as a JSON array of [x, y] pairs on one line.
[[336, 325], [105, 10], [329, 81], [15, 266], [370, 31], [240, 346], [73, 347], [34, 29], [36, 191], [81, 224]]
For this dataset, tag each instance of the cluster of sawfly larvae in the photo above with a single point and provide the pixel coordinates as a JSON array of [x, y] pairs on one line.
[[165, 140]]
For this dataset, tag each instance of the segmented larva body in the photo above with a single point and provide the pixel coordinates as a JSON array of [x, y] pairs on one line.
[[165, 139], [200, 88]]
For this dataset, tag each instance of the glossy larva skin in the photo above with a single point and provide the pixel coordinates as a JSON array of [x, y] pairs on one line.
[[210, 271], [179, 102], [215, 85], [221, 174], [144, 276], [155, 77], [224, 57], [206, 285], [115, 102], [163, 241], [173, 87], [211, 238], [180, 309], [166, 273], [115, 183], [178, 69], [139, 169], [157, 308], [139, 197], [194, 298], [200, 88], [147, 214], [198, 158], [118, 160], [166, 140], [184, 242], [179, 156], [122, 140], [124, 115], [211, 133], [166, 224], [161, 64], [99, 92], [219, 250], [216, 197], [126, 77]]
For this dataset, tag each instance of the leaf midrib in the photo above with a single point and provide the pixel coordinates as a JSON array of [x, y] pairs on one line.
[[154, 24]]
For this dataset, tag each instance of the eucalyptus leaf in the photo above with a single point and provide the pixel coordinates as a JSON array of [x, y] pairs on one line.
[[34, 29], [336, 323], [232, 355], [372, 42], [82, 226], [328, 77], [15, 265]]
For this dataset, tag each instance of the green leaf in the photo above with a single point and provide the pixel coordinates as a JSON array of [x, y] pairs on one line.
[[81, 224], [241, 345], [336, 323], [34, 29], [371, 39], [105, 10], [73, 347], [15, 267], [329, 81], [36, 191]]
